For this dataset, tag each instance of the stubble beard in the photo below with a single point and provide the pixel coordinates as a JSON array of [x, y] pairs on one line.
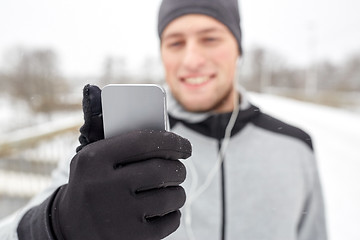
[[216, 106], [224, 99]]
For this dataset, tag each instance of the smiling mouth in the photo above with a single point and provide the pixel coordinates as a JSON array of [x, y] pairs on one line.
[[197, 80]]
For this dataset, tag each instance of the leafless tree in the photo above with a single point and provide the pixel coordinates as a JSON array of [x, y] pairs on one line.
[[114, 71], [33, 76], [351, 79], [261, 69]]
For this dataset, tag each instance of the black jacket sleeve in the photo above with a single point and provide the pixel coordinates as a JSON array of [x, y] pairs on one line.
[[36, 223]]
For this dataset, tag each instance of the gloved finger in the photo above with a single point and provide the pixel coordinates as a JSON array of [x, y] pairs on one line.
[[152, 174], [92, 130], [163, 201], [161, 227], [137, 146], [92, 100]]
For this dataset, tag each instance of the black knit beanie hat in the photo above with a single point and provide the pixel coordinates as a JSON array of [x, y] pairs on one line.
[[225, 11]]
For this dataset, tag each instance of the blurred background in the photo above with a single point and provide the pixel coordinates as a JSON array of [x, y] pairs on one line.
[[301, 63]]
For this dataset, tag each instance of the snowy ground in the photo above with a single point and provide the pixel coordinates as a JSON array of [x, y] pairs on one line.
[[336, 136]]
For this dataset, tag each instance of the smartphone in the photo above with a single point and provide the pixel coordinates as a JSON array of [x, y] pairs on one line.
[[128, 107]]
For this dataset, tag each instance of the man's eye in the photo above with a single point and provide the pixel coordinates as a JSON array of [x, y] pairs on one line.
[[210, 39], [175, 44]]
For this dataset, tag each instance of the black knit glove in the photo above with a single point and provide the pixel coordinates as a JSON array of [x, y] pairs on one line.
[[93, 129], [126, 187]]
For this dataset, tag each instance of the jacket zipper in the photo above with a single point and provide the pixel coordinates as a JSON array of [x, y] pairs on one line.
[[223, 197]]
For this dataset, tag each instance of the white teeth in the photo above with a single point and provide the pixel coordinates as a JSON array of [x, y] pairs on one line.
[[196, 80]]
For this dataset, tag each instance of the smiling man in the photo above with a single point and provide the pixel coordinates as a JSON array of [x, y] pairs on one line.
[[250, 176]]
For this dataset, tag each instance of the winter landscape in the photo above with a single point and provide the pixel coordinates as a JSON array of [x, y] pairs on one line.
[[301, 63]]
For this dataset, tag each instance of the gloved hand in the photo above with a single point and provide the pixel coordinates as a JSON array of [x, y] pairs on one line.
[[126, 187], [93, 129]]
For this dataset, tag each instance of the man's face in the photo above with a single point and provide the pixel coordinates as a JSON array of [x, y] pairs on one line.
[[199, 54]]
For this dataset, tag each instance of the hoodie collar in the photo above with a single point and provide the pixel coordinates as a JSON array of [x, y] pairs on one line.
[[211, 124], [177, 111]]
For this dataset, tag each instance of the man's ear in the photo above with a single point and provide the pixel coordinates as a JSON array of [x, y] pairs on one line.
[[239, 61]]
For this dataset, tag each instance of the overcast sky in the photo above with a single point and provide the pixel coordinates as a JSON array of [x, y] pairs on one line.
[[83, 32]]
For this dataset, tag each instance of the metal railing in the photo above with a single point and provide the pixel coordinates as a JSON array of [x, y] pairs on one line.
[[28, 156]]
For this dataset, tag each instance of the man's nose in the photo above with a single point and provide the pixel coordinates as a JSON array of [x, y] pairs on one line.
[[193, 57]]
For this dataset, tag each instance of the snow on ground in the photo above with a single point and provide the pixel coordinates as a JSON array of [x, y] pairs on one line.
[[16, 116], [336, 136], [23, 185], [13, 114]]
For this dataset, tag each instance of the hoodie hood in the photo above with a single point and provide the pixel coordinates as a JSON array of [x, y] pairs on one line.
[[175, 109], [209, 123]]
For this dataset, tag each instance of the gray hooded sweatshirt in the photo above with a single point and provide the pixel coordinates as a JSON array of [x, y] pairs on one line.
[[266, 186]]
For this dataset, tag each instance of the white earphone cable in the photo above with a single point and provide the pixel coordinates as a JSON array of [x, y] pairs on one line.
[[196, 192]]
